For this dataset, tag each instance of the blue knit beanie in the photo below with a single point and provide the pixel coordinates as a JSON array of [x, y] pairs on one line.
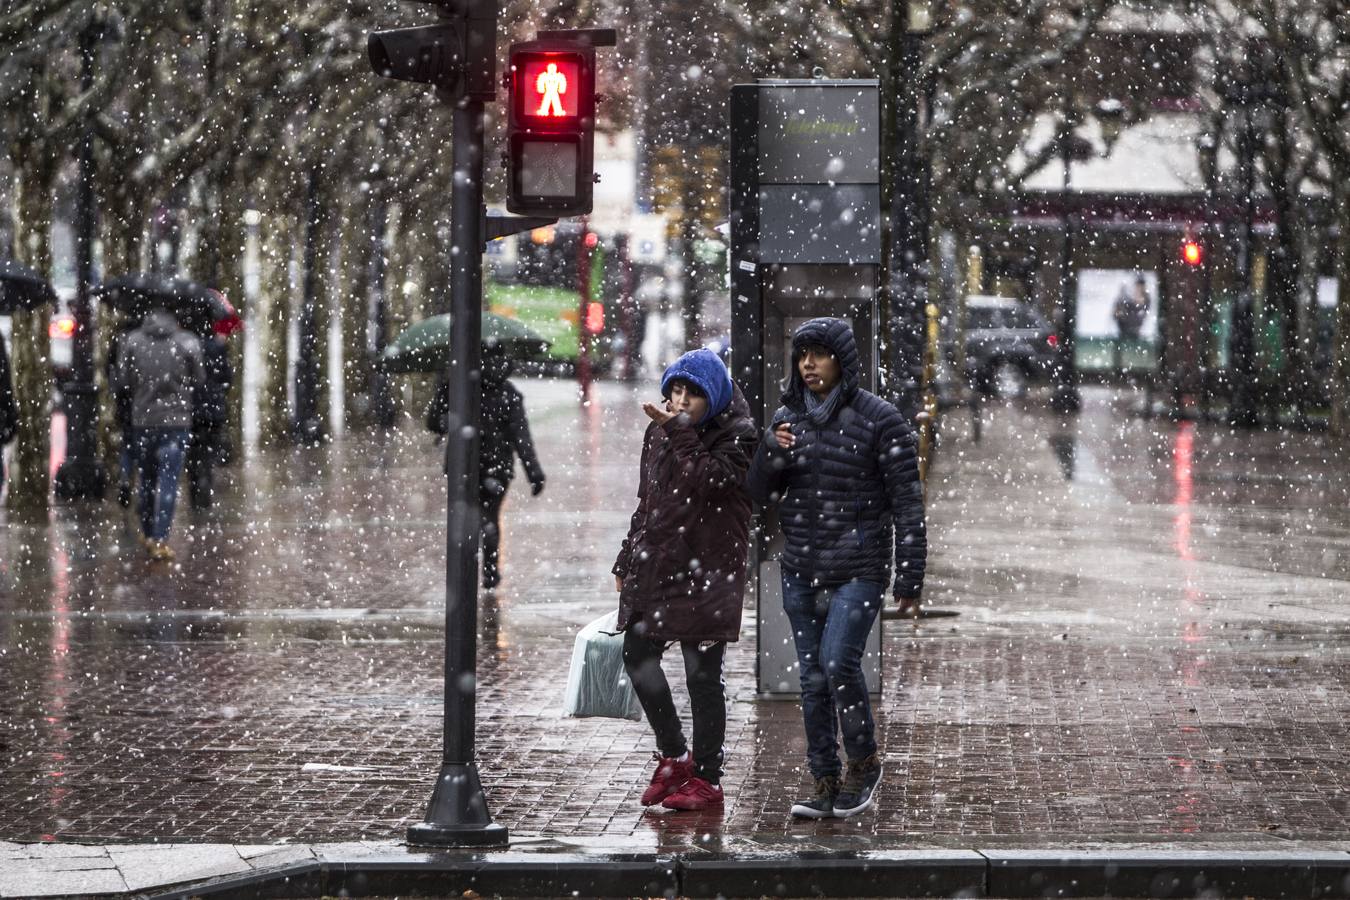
[[706, 371]]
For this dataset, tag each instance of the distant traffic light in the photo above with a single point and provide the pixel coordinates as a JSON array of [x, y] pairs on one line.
[[551, 127], [1192, 253]]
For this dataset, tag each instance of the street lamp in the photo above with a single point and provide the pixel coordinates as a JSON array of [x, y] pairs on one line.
[[1071, 147]]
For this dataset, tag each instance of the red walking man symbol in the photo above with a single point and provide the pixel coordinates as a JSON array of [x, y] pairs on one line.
[[552, 84]]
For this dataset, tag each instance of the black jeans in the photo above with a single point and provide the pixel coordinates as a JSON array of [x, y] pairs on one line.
[[707, 700], [490, 527], [201, 457]]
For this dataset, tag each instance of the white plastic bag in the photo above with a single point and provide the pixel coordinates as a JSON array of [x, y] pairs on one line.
[[597, 684]]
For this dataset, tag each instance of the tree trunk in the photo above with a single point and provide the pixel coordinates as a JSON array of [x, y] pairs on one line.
[[1340, 377], [29, 474], [274, 317], [354, 305]]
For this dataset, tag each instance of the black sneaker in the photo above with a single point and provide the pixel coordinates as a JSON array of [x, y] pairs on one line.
[[821, 806], [860, 780]]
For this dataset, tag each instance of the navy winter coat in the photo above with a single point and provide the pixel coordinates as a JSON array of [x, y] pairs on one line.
[[848, 490]]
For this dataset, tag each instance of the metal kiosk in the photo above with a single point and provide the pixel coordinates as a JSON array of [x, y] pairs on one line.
[[805, 242]]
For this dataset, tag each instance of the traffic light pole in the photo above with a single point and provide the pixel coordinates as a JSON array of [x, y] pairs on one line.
[[458, 815], [81, 476]]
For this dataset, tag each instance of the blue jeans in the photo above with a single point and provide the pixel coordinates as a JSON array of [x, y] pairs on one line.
[[830, 627], [159, 455]]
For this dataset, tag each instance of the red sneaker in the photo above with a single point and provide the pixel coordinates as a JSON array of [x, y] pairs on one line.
[[671, 773], [695, 794]]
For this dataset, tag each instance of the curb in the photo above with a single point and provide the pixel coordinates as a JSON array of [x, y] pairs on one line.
[[1313, 875]]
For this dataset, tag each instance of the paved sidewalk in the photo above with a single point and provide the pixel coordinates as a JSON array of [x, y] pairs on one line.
[[700, 866], [1156, 646]]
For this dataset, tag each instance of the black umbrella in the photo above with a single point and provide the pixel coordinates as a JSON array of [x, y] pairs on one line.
[[22, 288], [196, 306]]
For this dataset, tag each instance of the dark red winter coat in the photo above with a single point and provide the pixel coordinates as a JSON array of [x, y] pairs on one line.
[[683, 562]]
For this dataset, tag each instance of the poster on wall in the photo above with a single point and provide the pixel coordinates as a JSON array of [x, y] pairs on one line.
[[1326, 292], [1117, 303]]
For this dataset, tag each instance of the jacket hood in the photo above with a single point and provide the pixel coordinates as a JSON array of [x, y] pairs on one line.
[[160, 324], [706, 371], [737, 408], [835, 335]]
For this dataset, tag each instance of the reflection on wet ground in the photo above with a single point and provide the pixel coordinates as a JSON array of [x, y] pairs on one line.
[[1152, 639]]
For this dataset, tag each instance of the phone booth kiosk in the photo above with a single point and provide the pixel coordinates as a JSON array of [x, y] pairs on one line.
[[805, 242]]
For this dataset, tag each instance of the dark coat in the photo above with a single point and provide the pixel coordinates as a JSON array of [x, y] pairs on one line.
[[683, 562], [210, 407], [9, 409], [847, 489], [505, 431]]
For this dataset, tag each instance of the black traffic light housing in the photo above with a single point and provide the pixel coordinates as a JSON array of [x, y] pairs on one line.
[[457, 55], [551, 126]]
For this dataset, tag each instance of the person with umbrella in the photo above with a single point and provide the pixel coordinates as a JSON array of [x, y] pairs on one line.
[[9, 409], [161, 370], [505, 435], [210, 411], [21, 288]]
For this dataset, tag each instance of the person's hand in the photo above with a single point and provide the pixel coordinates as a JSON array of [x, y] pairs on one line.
[[909, 608], [782, 432], [657, 414], [537, 487], [618, 583]]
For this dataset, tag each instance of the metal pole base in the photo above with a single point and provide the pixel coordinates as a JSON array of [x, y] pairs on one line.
[[457, 815], [1066, 400], [80, 476]]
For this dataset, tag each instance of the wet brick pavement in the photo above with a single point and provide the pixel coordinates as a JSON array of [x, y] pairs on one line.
[[1158, 645]]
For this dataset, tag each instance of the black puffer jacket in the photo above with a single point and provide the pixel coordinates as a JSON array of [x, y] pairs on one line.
[[849, 489]]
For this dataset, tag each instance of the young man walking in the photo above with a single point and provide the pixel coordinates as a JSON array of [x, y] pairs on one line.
[[160, 369], [841, 464]]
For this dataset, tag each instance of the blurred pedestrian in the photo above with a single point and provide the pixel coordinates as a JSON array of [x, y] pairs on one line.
[[1131, 309], [505, 435], [209, 441], [9, 409], [841, 464], [161, 369], [681, 570]]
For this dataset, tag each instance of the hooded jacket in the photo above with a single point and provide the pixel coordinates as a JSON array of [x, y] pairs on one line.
[[848, 492], [9, 409], [505, 429], [683, 561], [160, 370]]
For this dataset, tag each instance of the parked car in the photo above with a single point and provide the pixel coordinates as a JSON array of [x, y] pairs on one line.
[[1009, 345]]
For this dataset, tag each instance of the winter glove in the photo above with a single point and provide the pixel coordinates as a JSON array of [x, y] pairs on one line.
[[537, 486]]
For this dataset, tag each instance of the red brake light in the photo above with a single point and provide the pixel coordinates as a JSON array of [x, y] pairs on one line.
[[1192, 253], [1052, 340], [595, 317], [62, 327]]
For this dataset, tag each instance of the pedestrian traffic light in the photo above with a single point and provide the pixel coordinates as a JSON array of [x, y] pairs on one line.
[[551, 127], [1192, 253]]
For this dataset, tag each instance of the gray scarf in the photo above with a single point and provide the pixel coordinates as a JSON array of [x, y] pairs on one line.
[[821, 411]]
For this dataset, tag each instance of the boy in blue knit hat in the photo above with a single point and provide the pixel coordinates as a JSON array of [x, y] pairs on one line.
[[681, 571]]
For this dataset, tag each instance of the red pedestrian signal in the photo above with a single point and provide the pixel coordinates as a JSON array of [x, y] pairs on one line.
[[1192, 253], [551, 127]]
